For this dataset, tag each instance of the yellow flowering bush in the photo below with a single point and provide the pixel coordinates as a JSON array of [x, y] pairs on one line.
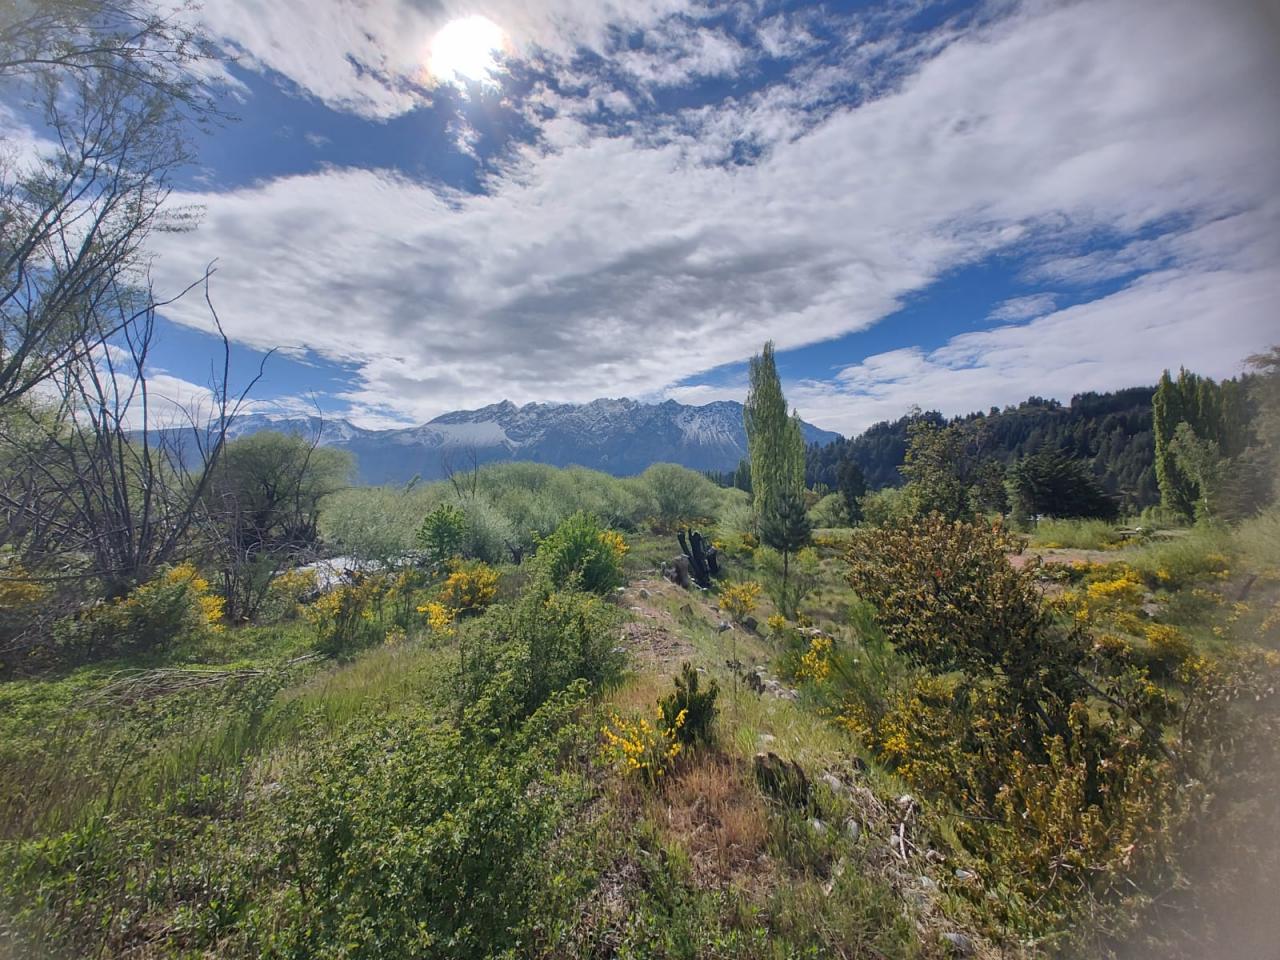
[[175, 604], [17, 589], [1125, 588], [470, 587], [614, 541], [738, 600], [288, 591], [815, 665], [642, 748], [344, 617], [439, 617], [776, 623]]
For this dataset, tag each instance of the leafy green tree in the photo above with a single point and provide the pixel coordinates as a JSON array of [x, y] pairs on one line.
[[784, 526], [935, 469], [775, 442], [742, 475], [1052, 484]]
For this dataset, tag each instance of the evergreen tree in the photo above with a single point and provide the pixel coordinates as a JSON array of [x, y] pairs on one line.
[[785, 527], [853, 487], [742, 476], [1052, 484], [775, 442], [1217, 416]]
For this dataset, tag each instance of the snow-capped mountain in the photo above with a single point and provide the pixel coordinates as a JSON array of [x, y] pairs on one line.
[[621, 437]]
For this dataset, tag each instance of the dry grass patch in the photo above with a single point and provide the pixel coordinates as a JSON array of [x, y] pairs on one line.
[[714, 810]]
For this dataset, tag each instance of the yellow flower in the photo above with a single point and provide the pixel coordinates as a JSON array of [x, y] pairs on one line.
[[738, 600]]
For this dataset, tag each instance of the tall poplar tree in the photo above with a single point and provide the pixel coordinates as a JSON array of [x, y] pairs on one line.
[[775, 443]]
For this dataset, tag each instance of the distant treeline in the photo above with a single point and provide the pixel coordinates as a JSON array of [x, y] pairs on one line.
[[1112, 432]]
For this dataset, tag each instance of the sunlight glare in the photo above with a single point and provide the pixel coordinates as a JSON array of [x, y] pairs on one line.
[[466, 49]]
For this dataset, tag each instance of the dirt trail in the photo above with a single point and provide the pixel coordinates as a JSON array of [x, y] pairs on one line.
[[654, 636]]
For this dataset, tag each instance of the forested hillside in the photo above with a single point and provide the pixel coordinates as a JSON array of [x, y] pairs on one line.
[[1112, 431]]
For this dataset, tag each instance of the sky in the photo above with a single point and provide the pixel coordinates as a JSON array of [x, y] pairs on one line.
[[947, 205]]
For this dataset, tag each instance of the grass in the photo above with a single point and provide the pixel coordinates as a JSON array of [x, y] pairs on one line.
[[1076, 534]]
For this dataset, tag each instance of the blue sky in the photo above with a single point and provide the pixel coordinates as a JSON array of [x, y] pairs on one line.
[[942, 204]]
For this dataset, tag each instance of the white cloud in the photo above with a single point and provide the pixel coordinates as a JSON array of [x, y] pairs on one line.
[[1024, 308], [600, 265]]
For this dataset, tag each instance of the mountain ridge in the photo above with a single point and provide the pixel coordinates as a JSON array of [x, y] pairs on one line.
[[621, 436]]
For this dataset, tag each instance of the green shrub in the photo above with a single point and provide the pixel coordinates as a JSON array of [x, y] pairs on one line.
[[1202, 553], [518, 655], [581, 553], [947, 597], [406, 839], [699, 707], [174, 605]]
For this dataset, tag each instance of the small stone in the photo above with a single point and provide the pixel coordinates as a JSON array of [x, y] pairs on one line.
[[751, 623], [620, 590], [961, 945], [964, 876], [643, 594], [817, 826], [834, 782], [766, 739], [722, 626], [927, 883], [853, 828]]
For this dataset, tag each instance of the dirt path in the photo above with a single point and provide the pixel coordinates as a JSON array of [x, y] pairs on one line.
[[654, 636]]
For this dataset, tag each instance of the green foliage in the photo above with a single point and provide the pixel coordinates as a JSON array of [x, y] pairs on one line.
[[679, 496], [581, 553], [407, 840], [518, 655], [1051, 484], [1216, 416], [948, 598], [775, 442], [442, 532], [788, 580], [698, 705], [174, 606], [1111, 431], [344, 619], [830, 511], [1075, 534], [784, 526], [892, 504], [851, 484], [934, 468]]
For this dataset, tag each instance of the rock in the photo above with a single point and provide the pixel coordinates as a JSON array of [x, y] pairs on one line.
[[961, 946], [751, 623], [834, 782], [643, 594], [783, 781], [964, 876], [722, 626], [817, 826], [620, 590], [859, 765], [927, 883], [906, 804], [853, 828], [686, 610]]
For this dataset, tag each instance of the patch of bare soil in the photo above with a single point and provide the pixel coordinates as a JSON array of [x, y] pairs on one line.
[[653, 636], [1063, 555]]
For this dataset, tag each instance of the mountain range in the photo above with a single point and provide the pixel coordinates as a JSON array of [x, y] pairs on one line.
[[621, 437]]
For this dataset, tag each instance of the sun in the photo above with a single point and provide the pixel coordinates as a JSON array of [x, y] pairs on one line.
[[466, 49]]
